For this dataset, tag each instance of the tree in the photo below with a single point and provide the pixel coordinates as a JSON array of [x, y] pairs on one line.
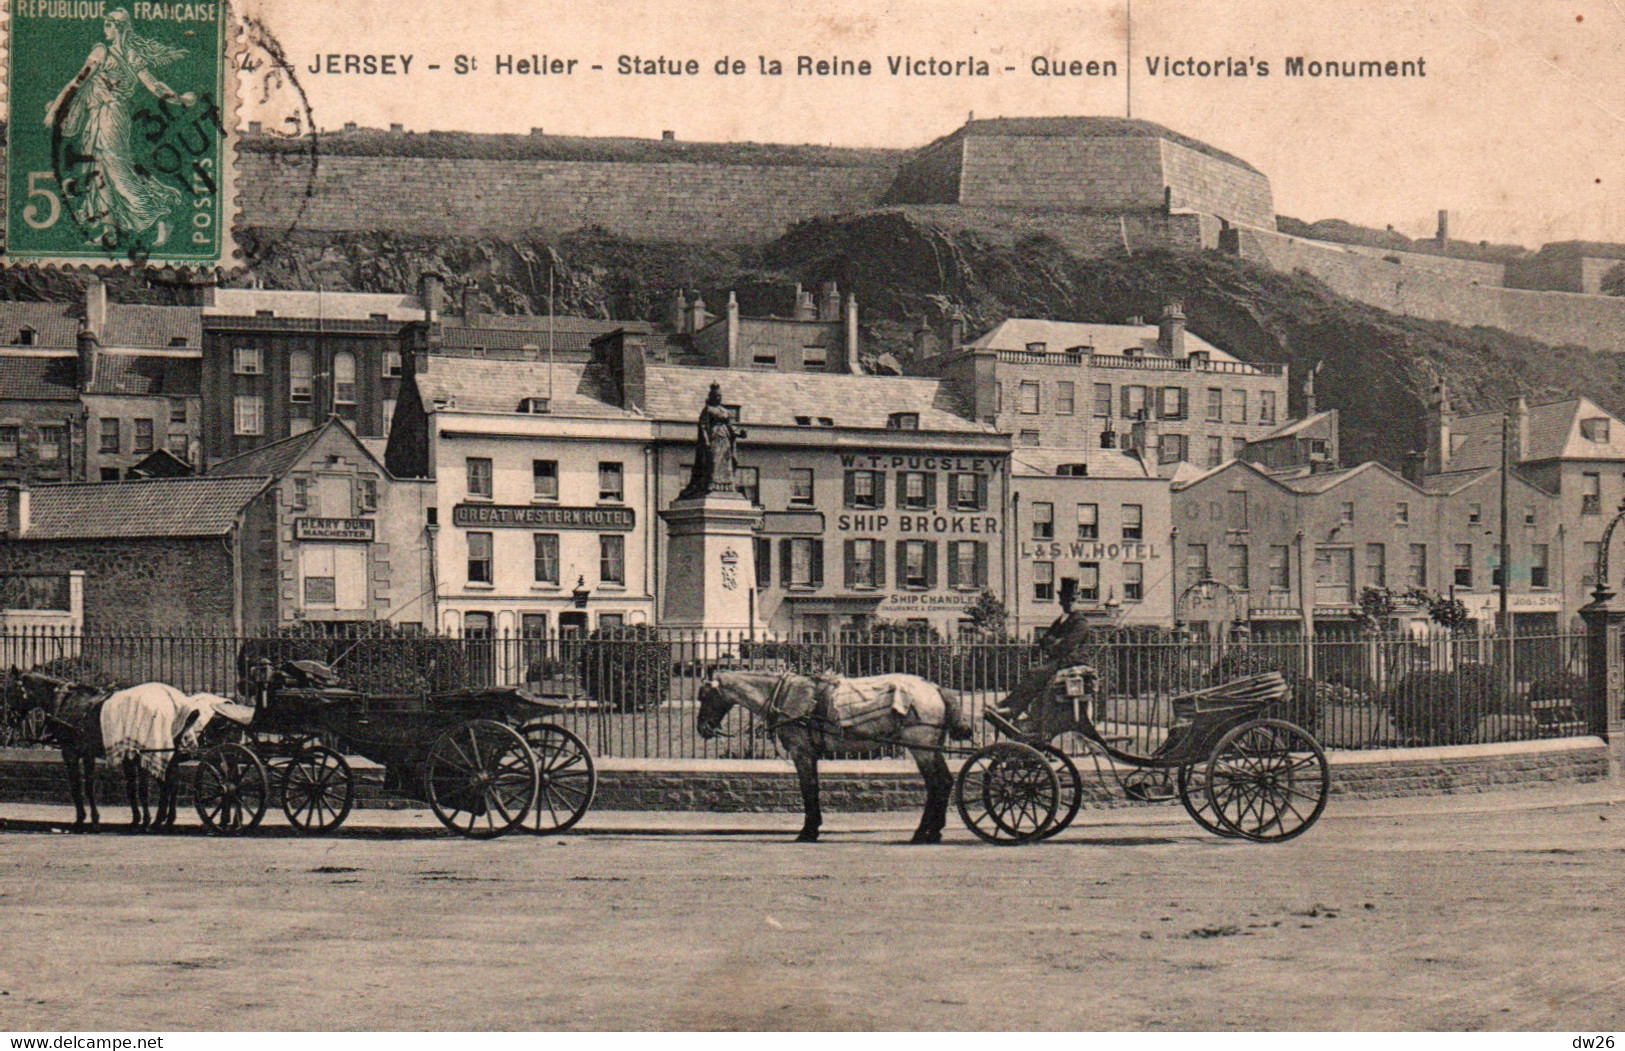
[[989, 614]]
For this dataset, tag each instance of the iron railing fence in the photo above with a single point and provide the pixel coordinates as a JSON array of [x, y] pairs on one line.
[[634, 693]]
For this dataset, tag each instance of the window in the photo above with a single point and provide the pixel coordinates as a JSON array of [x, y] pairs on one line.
[[1133, 402], [479, 558], [1540, 561], [479, 476], [1238, 405], [320, 575], [1376, 565], [612, 559], [611, 622], [110, 474], [1037, 348], [1043, 521], [1239, 567], [998, 396], [1280, 568], [1591, 494], [969, 491], [903, 421], [612, 481], [1418, 569], [865, 489], [916, 490], [814, 359], [143, 437], [53, 438], [389, 415], [110, 436], [801, 562], [248, 411], [1088, 521], [344, 385], [1334, 576], [392, 363], [1103, 400], [1588, 558], [1172, 448], [1595, 429], [1345, 514], [1475, 513], [547, 557], [27, 337], [1215, 405], [913, 570], [1464, 565], [301, 376], [367, 493], [301, 494], [764, 359], [1402, 513], [1237, 511], [247, 361], [1043, 581], [1196, 565], [1071, 470], [1528, 514], [1266, 406], [748, 483], [1133, 581], [177, 444], [1215, 451], [764, 562], [1065, 398], [862, 564], [801, 485], [1236, 447], [1133, 522], [1173, 403], [1027, 437], [1088, 581], [177, 410], [544, 479], [11, 436], [1029, 397]]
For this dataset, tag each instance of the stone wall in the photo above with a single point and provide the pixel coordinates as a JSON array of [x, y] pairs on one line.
[[1030, 171], [655, 202], [181, 585], [1206, 184]]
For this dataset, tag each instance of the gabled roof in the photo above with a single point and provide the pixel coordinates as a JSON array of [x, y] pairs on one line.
[[1109, 340], [137, 327], [155, 507], [1103, 463], [55, 324], [280, 457], [1326, 480], [486, 385], [1180, 484], [331, 306], [1291, 427], [146, 374], [777, 398], [1554, 434], [27, 377]]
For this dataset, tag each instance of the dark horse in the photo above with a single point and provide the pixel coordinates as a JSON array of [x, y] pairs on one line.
[[73, 722], [797, 710]]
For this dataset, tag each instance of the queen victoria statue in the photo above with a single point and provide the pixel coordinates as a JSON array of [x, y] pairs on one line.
[[715, 449]]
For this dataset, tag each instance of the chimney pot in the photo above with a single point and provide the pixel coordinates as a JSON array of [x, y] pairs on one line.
[[668, 136], [829, 305]]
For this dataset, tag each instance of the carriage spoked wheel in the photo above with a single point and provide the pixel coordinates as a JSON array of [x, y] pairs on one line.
[[1007, 793], [318, 789], [565, 778], [480, 778], [230, 788], [1193, 796], [1267, 780], [1070, 783]]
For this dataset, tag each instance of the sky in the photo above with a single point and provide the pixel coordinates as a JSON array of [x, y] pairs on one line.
[[1518, 128]]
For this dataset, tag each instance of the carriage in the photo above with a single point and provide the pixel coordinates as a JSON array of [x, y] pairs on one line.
[[487, 761], [1238, 772]]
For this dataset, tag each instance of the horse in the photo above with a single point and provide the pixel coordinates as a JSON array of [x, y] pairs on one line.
[[799, 711]]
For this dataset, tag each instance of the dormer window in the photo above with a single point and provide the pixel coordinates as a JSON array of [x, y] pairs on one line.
[[825, 421], [27, 337], [1072, 470], [179, 341], [733, 412], [265, 313], [765, 359], [804, 421], [534, 406], [1133, 352], [1037, 347], [903, 421], [1595, 429]]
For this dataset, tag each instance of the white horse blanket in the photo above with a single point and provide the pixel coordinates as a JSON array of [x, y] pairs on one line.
[[149, 722], [861, 704]]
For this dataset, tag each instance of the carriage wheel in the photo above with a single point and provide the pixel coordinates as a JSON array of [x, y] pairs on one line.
[[230, 788], [317, 790], [566, 779], [1071, 786], [1007, 793], [480, 778], [1267, 780], [1193, 794]]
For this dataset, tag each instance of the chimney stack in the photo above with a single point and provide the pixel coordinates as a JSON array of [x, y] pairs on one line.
[[1413, 467], [96, 306], [432, 293], [806, 309], [1440, 418], [1443, 236], [696, 314], [677, 312], [14, 510], [829, 307], [1171, 331], [853, 365], [1311, 404], [668, 136], [1517, 435], [733, 333], [925, 341], [471, 304], [89, 352], [956, 332], [1147, 439]]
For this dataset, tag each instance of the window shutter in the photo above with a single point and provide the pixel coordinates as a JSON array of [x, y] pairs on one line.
[[981, 492], [851, 491], [981, 563], [931, 564], [1184, 403], [1123, 393], [880, 563], [818, 563], [900, 549], [851, 549], [953, 563], [902, 488], [931, 490], [764, 563], [880, 489], [785, 562]]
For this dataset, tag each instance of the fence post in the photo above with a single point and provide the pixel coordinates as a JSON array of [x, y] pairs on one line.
[[1605, 672]]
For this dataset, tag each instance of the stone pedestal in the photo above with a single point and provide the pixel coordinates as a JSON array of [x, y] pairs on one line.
[[710, 563]]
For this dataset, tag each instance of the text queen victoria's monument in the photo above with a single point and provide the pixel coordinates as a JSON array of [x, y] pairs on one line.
[[711, 568]]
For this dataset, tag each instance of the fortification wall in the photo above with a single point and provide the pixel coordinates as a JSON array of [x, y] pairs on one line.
[[1469, 271], [1206, 184], [461, 197], [1551, 317], [1030, 171]]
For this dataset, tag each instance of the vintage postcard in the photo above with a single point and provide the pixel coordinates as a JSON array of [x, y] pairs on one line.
[[914, 515]]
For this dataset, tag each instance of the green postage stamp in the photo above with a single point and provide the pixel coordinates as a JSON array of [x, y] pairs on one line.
[[120, 142]]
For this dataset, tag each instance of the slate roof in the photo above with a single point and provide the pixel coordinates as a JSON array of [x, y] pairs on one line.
[[777, 398], [150, 327], [26, 377], [1103, 463], [571, 335], [333, 306], [490, 385], [1108, 340], [279, 457], [1324, 480], [158, 507], [1554, 433], [55, 324], [1292, 427], [148, 374]]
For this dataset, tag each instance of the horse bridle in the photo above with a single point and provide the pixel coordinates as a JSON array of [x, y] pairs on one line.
[[769, 709]]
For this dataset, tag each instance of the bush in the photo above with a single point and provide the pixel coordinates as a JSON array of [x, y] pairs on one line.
[[384, 660], [629, 669], [889, 648], [1443, 707], [1564, 686]]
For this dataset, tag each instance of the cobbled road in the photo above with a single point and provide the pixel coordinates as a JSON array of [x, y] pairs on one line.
[[1482, 913]]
